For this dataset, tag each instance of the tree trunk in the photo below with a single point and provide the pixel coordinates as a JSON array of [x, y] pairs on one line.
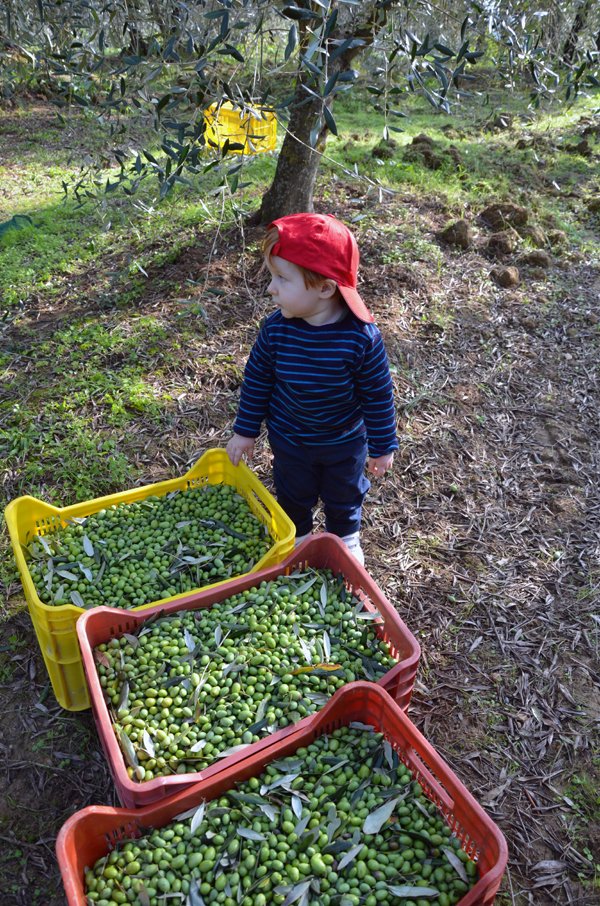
[[293, 185], [291, 191], [579, 24]]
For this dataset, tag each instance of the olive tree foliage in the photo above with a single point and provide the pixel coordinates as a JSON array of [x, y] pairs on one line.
[[161, 63]]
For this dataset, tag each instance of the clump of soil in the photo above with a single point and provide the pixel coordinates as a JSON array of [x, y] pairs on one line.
[[536, 258], [500, 215], [386, 149], [501, 244], [505, 276], [534, 234], [457, 233], [428, 153]]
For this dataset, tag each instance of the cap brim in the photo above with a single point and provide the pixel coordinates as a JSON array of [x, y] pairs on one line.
[[356, 304]]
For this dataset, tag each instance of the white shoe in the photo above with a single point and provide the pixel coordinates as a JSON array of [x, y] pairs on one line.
[[352, 542], [300, 538]]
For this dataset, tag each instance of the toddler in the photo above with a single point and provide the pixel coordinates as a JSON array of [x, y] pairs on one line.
[[318, 375]]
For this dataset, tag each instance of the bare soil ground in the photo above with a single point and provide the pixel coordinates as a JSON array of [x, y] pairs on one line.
[[486, 536]]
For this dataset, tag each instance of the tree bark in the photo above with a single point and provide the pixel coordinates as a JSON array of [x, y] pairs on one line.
[[297, 166], [292, 189], [579, 23]]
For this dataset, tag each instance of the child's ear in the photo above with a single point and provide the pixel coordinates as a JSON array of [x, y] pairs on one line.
[[328, 288]]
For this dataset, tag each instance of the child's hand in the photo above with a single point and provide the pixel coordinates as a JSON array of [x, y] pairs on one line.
[[240, 446], [378, 465]]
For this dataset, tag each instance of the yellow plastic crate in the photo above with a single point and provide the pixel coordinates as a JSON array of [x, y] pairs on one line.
[[255, 128], [27, 517]]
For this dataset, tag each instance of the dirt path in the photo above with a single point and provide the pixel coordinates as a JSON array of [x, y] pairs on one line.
[[487, 539]]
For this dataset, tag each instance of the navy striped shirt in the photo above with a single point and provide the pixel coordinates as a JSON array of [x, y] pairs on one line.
[[319, 384]]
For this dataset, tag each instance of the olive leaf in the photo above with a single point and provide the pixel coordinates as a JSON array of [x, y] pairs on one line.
[[194, 897], [390, 755], [406, 891], [297, 806], [44, 542], [173, 681], [298, 892], [334, 823], [323, 599], [288, 764], [101, 572], [124, 696], [306, 650], [198, 745], [101, 658], [422, 809], [258, 726], [133, 640], [260, 711], [239, 607], [268, 810], [198, 818], [302, 825], [375, 821], [127, 748], [320, 670], [67, 574], [233, 668], [302, 589], [456, 864], [148, 744], [336, 765], [318, 698], [350, 856], [250, 834], [246, 798], [326, 646], [87, 573], [233, 750], [49, 576], [211, 523], [77, 599], [88, 546], [284, 781]]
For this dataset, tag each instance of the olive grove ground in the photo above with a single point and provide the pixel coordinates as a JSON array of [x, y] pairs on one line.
[[486, 536]]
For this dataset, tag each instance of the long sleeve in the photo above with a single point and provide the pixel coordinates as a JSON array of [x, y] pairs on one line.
[[374, 388], [257, 387]]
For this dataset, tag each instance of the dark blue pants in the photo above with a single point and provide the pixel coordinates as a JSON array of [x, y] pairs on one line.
[[335, 473]]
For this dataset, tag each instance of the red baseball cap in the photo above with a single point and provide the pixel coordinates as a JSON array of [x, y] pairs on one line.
[[321, 243]]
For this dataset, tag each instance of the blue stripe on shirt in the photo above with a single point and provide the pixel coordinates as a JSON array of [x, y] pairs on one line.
[[319, 384]]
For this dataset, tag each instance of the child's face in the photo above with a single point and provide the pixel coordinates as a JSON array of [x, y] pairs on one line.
[[296, 300]]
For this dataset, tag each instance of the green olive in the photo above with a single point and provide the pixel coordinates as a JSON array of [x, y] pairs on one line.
[[241, 852], [148, 550]]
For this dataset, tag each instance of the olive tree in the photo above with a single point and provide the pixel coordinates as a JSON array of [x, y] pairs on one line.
[[162, 64]]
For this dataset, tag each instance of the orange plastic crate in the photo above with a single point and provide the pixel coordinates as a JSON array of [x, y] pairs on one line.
[[94, 831], [321, 552]]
